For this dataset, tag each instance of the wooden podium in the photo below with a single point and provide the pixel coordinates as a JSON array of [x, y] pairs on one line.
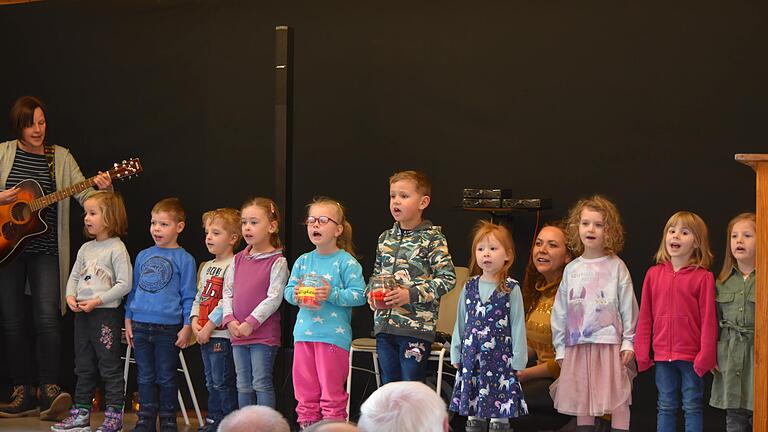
[[759, 162]]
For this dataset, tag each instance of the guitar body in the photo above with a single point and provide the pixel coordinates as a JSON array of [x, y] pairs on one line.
[[18, 222]]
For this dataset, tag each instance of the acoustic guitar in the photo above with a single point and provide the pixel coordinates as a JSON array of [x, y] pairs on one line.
[[21, 219]]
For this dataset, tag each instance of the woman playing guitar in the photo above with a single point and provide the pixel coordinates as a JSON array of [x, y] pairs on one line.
[[42, 264]]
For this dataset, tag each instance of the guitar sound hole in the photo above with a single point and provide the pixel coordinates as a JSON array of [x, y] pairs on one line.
[[20, 212]]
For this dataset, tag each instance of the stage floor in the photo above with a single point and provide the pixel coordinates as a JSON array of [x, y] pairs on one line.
[[34, 424]]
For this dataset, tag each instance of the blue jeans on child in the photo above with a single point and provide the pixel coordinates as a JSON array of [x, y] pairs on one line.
[[157, 358], [219, 377], [672, 378], [253, 364], [402, 358]]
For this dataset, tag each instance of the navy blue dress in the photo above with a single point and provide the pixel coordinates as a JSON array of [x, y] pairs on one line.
[[486, 385]]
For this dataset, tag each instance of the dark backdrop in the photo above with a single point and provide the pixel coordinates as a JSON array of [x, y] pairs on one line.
[[646, 103]]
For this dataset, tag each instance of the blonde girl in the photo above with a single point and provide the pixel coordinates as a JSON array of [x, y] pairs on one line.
[[678, 311], [732, 388], [101, 276], [253, 292], [323, 335], [593, 320]]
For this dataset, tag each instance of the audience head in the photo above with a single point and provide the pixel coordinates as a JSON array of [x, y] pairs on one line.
[[549, 255], [254, 418], [403, 406]]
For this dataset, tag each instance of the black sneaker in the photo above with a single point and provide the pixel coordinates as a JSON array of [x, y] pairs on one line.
[[23, 403], [168, 424], [54, 403], [146, 423]]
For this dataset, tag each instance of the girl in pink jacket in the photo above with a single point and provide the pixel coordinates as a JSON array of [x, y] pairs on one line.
[[677, 319]]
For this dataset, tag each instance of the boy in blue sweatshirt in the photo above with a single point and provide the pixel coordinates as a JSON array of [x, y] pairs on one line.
[[157, 315]]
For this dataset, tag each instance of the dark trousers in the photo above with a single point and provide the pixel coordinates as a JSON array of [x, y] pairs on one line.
[[97, 352], [42, 273], [402, 358], [157, 358]]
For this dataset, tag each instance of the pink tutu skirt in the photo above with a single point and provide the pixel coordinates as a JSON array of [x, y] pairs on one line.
[[593, 382]]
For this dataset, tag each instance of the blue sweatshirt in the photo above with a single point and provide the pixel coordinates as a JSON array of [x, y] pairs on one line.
[[330, 323], [163, 286]]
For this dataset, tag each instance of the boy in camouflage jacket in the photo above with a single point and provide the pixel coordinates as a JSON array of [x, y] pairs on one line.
[[416, 253]]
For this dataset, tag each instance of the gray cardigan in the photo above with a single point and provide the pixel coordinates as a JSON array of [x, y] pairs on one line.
[[67, 174]]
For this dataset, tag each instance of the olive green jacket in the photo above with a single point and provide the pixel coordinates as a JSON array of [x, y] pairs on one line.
[[732, 385]]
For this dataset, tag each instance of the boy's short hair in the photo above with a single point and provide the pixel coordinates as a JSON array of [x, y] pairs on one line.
[[423, 185], [171, 205], [228, 217]]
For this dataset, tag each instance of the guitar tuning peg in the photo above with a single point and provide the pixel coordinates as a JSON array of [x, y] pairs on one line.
[[124, 161]]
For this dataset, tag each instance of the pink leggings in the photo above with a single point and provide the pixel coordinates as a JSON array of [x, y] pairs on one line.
[[319, 372]]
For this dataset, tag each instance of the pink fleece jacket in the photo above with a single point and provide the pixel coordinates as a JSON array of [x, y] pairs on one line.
[[677, 313]]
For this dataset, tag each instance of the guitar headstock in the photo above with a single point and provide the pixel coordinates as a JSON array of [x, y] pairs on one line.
[[126, 169]]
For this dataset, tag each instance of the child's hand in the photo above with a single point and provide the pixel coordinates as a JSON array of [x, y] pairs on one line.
[[245, 329], [559, 362], [72, 303], [196, 327], [129, 332], [398, 297], [321, 293], [521, 376], [627, 356], [370, 301], [234, 328], [183, 337], [89, 305], [456, 366], [204, 334]]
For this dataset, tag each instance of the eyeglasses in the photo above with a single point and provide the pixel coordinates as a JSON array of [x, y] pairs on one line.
[[322, 220]]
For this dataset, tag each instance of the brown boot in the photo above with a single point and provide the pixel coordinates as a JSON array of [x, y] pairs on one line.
[[23, 403], [54, 403]]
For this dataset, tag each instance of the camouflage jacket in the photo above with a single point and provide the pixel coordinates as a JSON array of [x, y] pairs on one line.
[[420, 261]]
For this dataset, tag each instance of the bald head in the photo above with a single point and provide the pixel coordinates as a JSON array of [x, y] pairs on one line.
[[254, 418]]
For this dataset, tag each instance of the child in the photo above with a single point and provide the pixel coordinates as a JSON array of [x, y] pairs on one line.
[[489, 345], [222, 234], [100, 278], [253, 292], [678, 309], [416, 253], [593, 320], [157, 315], [323, 336], [733, 385]]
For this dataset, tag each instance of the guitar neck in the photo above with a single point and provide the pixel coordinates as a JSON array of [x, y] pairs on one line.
[[59, 195]]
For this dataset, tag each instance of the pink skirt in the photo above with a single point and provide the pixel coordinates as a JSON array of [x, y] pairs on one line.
[[593, 382]]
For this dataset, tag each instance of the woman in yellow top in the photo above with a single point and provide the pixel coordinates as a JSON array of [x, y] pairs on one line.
[[545, 267]]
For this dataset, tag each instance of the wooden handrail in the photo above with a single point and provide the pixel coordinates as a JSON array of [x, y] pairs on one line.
[[759, 163]]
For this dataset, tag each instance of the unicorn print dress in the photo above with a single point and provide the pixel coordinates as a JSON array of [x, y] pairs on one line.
[[489, 344]]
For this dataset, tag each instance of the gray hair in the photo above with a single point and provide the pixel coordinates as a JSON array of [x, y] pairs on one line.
[[403, 406], [254, 418]]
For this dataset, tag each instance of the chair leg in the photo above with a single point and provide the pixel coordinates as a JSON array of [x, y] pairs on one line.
[[440, 371], [376, 368], [191, 389], [349, 380], [125, 368], [183, 408]]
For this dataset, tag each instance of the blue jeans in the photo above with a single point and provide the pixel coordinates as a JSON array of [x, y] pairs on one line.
[[219, 377], [673, 378], [253, 364], [157, 358], [402, 358]]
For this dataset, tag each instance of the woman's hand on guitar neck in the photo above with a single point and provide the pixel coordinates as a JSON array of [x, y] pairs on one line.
[[103, 181], [9, 195]]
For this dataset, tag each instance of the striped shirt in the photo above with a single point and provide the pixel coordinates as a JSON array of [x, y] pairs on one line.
[[35, 167]]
